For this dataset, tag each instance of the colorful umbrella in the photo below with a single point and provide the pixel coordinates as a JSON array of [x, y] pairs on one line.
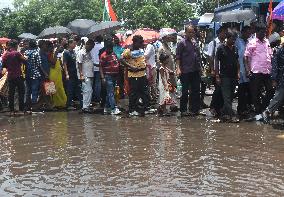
[[148, 35], [4, 40], [278, 12]]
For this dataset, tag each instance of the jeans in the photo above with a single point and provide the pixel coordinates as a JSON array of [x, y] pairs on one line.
[[73, 91], [138, 89], [277, 100], [258, 81], [97, 87], [193, 81], [34, 86], [228, 86], [110, 84], [19, 84], [87, 90]]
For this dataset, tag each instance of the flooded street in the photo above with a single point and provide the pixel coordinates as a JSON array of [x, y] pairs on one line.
[[70, 154]]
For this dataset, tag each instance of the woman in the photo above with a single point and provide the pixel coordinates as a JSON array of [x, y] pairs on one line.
[[59, 99], [167, 78]]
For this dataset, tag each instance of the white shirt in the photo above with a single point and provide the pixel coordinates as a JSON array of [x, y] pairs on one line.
[[77, 50], [95, 54], [85, 59], [211, 47], [150, 54]]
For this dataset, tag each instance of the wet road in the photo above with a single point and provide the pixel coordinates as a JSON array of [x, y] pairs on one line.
[[67, 154]]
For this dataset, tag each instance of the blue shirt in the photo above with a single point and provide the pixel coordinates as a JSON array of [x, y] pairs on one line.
[[44, 62], [118, 50], [241, 46]]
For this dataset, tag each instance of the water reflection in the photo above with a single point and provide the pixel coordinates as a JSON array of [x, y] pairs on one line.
[[89, 155]]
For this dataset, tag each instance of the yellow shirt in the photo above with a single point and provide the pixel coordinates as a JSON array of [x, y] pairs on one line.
[[136, 59]]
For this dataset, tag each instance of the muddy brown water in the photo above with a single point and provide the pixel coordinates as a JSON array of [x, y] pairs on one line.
[[68, 154]]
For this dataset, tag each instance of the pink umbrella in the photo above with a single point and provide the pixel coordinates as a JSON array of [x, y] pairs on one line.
[[148, 35], [4, 40]]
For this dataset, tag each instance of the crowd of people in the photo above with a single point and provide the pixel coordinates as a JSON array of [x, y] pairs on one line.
[[91, 73]]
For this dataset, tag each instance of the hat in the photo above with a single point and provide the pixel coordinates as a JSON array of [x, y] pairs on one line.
[[274, 37]]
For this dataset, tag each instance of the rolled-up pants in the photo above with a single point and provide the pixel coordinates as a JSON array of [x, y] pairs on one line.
[[87, 91]]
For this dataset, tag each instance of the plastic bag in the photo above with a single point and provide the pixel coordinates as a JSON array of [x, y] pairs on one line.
[[49, 87], [4, 85]]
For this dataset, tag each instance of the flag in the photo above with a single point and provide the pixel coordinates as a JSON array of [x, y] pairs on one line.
[[109, 14], [270, 9]]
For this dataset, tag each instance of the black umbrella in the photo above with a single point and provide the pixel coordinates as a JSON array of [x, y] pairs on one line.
[[81, 26], [57, 31], [234, 16], [105, 27], [27, 36]]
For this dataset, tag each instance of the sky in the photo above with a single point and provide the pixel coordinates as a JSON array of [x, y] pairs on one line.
[[5, 3]]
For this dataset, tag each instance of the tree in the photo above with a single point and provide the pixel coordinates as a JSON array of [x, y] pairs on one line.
[[35, 15], [204, 6], [149, 16]]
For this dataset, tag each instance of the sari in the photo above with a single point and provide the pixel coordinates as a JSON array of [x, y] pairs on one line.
[[59, 99]]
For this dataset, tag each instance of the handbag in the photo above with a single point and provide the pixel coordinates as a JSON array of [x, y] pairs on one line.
[[4, 88], [49, 87]]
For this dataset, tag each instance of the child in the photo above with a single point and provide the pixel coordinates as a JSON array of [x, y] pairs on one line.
[[166, 88]]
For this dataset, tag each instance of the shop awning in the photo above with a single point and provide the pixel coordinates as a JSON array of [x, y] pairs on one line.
[[241, 4], [206, 19]]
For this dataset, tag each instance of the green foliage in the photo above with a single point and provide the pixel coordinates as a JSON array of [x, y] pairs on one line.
[[208, 6], [35, 15]]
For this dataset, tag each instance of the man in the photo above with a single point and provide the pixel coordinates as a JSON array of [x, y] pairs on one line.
[[244, 95], [188, 68], [70, 70], [118, 50], [109, 70], [34, 74], [95, 53], [277, 76], [12, 61], [86, 70], [227, 72], [217, 99], [258, 66], [134, 60]]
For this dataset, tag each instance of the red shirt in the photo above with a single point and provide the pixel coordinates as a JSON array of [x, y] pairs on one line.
[[109, 63], [13, 62]]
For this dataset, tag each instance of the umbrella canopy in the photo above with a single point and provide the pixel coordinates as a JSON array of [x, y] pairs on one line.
[[234, 16], [278, 12], [206, 19], [4, 40], [105, 27], [27, 36], [56, 31], [148, 35], [81, 26], [167, 31]]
